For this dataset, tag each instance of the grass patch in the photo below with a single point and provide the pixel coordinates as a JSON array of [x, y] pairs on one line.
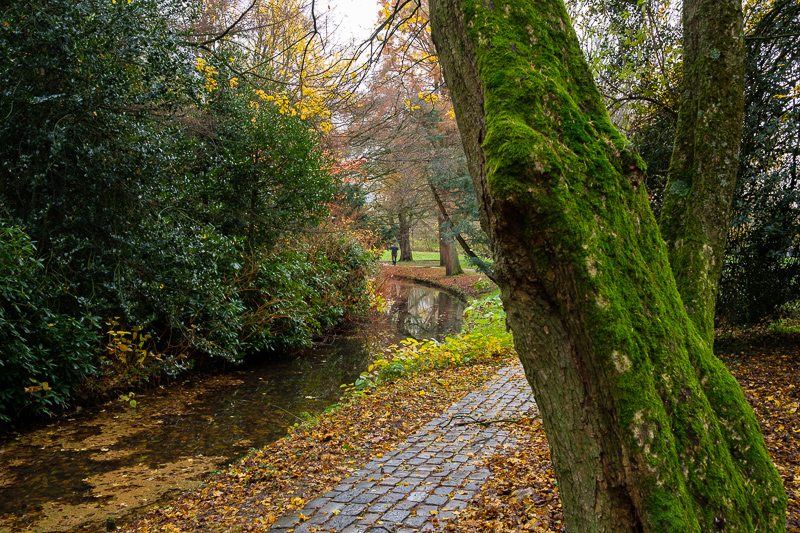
[[425, 258], [483, 339], [785, 326]]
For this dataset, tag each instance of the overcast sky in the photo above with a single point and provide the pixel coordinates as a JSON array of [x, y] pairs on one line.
[[357, 16]]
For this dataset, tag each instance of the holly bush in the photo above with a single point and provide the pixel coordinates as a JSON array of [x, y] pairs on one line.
[[151, 186]]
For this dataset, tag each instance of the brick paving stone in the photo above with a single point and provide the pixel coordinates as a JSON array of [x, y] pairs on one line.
[[417, 496], [333, 506], [318, 518], [436, 500], [316, 503], [406, 488], [406, 505], [415, 521], [347, 495], [369, 519], [355, 509], [355, 529], [437, 468], [380, 489], [287, 521], [455, 505], [391, 497], [426, 509], [444, 491], [395, 516], [366, 497], [380, 507], [340, 522]]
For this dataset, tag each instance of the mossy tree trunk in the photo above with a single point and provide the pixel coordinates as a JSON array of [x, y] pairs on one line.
[[702, 176], [648, 431]]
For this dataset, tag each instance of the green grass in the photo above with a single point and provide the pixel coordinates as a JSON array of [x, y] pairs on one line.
[[785, 326], [419, 257]]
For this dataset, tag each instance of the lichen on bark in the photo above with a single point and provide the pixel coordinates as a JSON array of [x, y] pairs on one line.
[[624, 380], [702, 174]]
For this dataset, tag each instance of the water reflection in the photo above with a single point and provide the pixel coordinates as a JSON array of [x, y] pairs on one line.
[[423, 312], [110, 461]]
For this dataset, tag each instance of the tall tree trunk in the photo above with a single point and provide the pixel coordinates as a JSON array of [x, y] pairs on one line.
[[647, 429], [442, 247], [464, 246], [448, 251], [695, 215], [404, 238], [453, 266]]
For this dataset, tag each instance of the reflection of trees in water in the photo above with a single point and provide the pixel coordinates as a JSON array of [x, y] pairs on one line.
[[424, 313]]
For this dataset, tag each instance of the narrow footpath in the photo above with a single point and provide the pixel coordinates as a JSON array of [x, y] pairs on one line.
[[429, 476]]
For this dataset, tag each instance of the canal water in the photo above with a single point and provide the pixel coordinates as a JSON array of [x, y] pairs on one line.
[[73, 474]]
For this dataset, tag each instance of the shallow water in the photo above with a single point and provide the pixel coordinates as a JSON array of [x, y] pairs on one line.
[[74, 474]]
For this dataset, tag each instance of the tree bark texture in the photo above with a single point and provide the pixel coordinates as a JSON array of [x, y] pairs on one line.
[[452, 266], [647, 429], [404, 237], [443, 212], [702, 176], [442, 250], [448, 250]]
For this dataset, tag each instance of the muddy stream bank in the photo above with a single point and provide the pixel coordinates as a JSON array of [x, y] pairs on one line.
[[72, 475]]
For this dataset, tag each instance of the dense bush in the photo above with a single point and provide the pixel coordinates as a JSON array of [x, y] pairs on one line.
[[45, 355], [762, 269], [164, 207]]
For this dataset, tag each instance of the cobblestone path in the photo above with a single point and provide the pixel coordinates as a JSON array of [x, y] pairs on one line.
[[434, 472]]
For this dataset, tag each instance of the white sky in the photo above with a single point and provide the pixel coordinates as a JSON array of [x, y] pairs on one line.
[[358, 17]]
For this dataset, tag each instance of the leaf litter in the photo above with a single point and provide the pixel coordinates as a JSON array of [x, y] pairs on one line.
[[521, 493], [280, 478]]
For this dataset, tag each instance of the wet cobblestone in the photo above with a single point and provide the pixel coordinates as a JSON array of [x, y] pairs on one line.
[[436, 470]]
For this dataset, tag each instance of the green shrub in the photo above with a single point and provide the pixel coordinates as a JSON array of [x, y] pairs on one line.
[[312, 285], [158, 206], [44, 355], [484, 338]]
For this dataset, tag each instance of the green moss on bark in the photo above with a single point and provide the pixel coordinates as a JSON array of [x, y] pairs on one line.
[[702, 175], [647, 431]]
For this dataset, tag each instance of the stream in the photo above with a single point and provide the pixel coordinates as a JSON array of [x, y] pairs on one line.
[[72, 474]]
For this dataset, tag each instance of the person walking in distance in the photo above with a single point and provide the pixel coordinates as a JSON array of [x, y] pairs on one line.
[[394, 249]]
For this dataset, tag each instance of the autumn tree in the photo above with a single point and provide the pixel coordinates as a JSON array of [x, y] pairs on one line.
[[382, 130], [406, 126], [647, 429]]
